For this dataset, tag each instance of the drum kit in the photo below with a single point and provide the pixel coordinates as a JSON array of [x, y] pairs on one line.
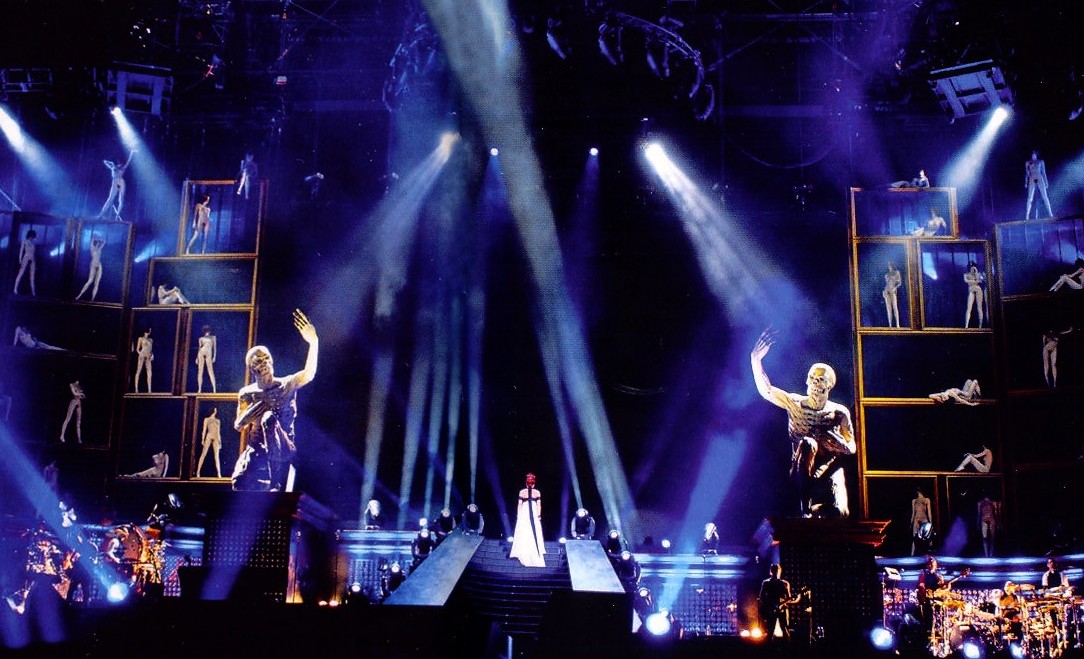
[[1036, 622], [136, 554]]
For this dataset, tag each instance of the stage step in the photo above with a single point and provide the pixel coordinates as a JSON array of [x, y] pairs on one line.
[[510, 595]]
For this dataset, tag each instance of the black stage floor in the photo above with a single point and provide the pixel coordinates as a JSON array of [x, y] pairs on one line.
[[175, 628]]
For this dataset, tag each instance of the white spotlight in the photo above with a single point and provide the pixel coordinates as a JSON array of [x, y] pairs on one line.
[[1001, 115], [493, 151], [115, 110], [117, 593], [881, 638], [593, 151], [658, 624], [971, 650]]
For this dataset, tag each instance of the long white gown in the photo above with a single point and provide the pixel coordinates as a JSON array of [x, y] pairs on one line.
[[527, 543]]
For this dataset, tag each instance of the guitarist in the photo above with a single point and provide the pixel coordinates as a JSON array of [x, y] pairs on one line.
[[931, 586], [775, 597]]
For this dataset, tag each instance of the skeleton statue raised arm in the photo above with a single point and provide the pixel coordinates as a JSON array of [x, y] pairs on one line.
[[820, 432], [266, 411]]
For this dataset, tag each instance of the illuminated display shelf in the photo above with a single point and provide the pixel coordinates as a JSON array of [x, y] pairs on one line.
[[907, 440]]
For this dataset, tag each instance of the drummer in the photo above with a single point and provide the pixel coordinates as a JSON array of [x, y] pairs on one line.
[[1055, 577], [1010, 607]]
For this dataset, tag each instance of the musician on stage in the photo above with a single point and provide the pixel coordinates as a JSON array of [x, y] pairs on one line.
[[1010, 609], [930, 583], [1054, 577], [774, 598]]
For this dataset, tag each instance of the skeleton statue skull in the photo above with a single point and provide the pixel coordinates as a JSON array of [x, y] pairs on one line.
[[259, 361], [820, 380]]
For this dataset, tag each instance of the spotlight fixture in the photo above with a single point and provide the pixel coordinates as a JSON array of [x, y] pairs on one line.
[[472, 523], [494, 151], [703, 100], [614, 544], [971, 88], [117, 593], [609, 43], [627, 569], [391, 577], [643, 602], [882, 638], [658, 623], [582, 526], [557, 37], [658, 58], [422, 546], [593, 151]]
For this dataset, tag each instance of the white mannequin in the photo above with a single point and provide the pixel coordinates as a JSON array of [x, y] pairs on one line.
[[94, 277], [966, 396], [27, 261], [1035, 177], [249, 171], [206, 354], [75, 407], [144, 358], [933, 225], [893, 280], [1050, 355], [921, 513], [27, 340], [161, 466], [1074, 279], [116, 187], [981, 461], [212, 439], [171, 295], [201, 223], [975, 294]]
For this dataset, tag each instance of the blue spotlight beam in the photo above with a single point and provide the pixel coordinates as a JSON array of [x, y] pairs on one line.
[[49, 177], [438, 395], [415, 414], [374, 430], [732, 263], [148, 173], [485, 58], [455, 399], [965, 170]]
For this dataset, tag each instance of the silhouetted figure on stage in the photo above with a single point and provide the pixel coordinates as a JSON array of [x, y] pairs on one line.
[[931, 585], [774, 598], [372, 519], [442, 525], [820, 434]]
